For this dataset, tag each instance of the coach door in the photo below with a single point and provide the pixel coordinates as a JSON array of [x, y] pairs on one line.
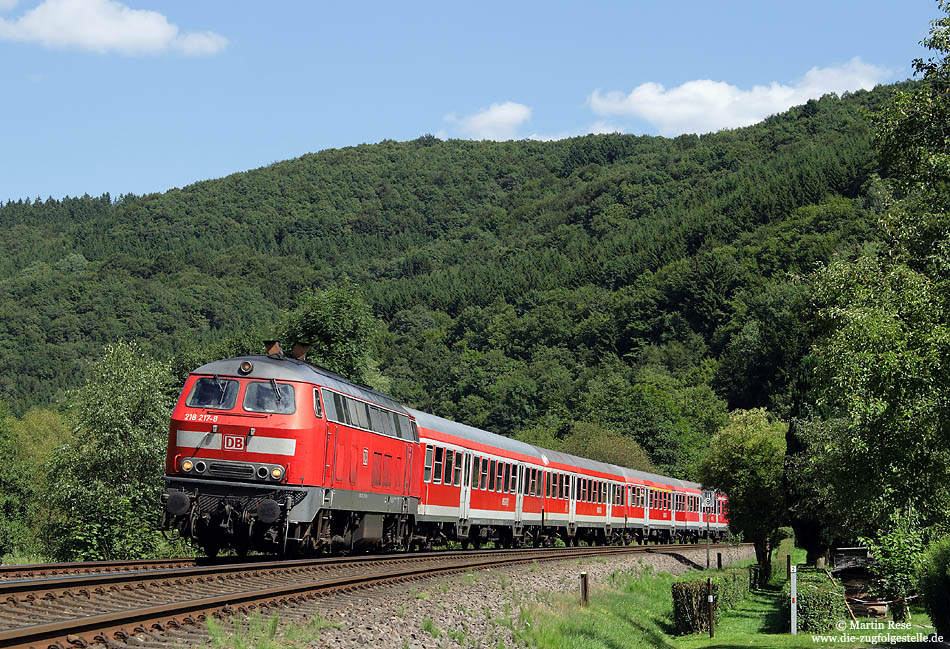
[[465, 498], [572, 506], [519, 494]]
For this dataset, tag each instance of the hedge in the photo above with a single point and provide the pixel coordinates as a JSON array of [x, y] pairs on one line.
[[690, 609], [821, 603], [935, 585]]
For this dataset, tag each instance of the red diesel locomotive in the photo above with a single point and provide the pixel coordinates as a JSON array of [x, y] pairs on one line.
[[274, 454]]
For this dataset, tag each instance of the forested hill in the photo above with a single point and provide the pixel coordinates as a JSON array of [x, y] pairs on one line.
[[595, 286]]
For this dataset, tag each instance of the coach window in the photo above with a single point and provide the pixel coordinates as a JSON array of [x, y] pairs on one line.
[[458, 468], [437, 473], [491, 476], [449, 459], [499, 482], [506, 480], [484, 482], [427, 473]]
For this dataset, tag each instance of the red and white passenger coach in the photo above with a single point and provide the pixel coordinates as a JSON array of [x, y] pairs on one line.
[[274, 454]]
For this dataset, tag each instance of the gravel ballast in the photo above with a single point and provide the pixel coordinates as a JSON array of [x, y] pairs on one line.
[[475, 609]]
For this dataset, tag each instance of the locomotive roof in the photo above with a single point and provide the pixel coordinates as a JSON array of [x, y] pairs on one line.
[[539, 453], [285, 368]]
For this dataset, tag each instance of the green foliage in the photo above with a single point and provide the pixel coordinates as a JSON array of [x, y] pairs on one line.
[[258, 633], [875, 423], [690, 606], [105, 481], [338, 324], [18, 491], [821, 603], [745, 459], [935, 584], [642, 285], [591, 441], [898, 551]]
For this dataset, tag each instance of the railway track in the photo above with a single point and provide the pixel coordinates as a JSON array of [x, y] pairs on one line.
[[143, 600]]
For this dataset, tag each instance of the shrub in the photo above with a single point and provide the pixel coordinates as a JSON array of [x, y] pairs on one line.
[[898, 551], [935, 585], [820, 602], [690, 609]]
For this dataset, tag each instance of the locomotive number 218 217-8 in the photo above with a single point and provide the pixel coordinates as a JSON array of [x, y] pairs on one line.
[[194, 416]]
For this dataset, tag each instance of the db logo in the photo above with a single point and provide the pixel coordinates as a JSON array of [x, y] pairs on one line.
[[233, 443]]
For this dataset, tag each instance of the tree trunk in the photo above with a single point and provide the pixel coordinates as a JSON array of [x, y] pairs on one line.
[[763, 556]]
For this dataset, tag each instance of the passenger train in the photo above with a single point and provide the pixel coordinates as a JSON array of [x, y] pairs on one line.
[[273, 454]]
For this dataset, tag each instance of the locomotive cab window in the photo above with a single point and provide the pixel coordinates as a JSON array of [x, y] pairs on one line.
[[270, 397], [317, 408], [210, 392]]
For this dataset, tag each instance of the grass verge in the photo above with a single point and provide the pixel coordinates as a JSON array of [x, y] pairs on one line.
[[635, 611]]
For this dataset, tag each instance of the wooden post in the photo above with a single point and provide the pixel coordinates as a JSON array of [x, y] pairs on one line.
[[719, 561], [583, 589], [709, 602], [788, 567]]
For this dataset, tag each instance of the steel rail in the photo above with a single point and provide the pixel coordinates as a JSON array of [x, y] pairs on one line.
[[72, 582], [118, 625]]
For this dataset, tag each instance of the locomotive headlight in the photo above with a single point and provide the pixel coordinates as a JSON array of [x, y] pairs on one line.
[[187, 465], [276, 473]]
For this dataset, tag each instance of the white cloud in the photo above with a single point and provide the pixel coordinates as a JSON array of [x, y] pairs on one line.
[[597, 128], [105, 26], [703, 105], [497, 122]]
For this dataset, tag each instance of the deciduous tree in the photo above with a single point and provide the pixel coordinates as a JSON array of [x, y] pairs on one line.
[[745, 460]]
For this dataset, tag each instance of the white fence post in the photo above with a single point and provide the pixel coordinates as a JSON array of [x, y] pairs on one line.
[[794, 600]]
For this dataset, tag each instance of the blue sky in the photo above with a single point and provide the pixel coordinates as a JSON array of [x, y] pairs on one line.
[[138, 96]]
